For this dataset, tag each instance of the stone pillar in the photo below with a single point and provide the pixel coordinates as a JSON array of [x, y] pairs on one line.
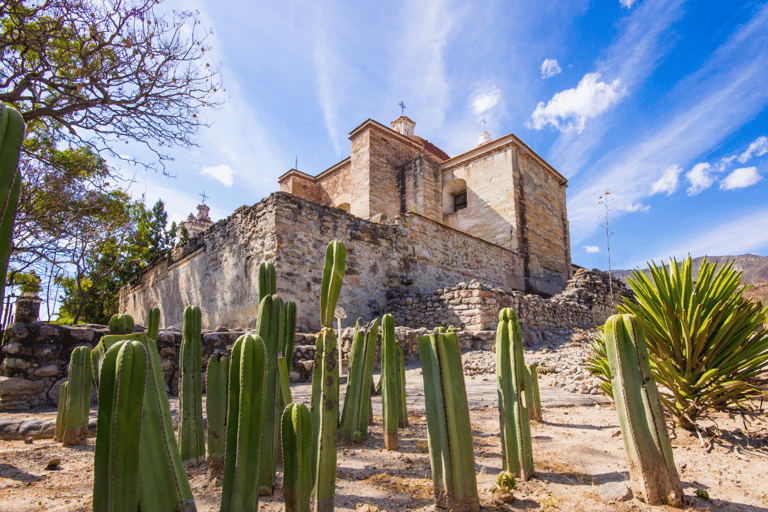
[[27, 308]]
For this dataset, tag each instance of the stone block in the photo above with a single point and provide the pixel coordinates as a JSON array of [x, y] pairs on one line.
[[11, 387], [50, 370]]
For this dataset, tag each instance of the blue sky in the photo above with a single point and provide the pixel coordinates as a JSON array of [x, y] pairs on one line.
[[661, 102]]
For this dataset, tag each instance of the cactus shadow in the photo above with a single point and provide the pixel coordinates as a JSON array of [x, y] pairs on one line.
[[13, 473], [569, 476], [573, 425]]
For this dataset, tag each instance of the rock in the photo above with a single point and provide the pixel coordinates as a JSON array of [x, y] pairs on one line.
[[615, 491], [16, 363], [85, 335], [13, 348], [47, 371], [15, 387]]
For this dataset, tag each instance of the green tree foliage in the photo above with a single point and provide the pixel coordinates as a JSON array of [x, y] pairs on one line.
[[706, 342]]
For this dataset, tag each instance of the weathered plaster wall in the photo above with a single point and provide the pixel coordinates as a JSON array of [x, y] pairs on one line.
[[218, 270]]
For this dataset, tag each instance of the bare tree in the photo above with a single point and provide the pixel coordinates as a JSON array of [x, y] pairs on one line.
[[604, 199]]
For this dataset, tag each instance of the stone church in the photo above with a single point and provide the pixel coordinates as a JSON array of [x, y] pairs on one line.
[[411, 216]]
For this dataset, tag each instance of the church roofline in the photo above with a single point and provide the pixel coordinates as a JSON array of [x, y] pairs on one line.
[[370, 123], [332, 169], [494, 145], [294, 172]]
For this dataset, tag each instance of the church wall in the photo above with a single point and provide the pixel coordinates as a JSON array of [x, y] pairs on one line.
[[418, 188], [360, 170], [490, 211], [337, 187], [300, 186], [218, 270], [546, 226], [386, 153]]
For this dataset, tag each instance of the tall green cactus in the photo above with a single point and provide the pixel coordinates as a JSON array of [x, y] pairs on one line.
[[163, 483], [448, 427], [514, 422], [328, 423], [244, 425], [333, 276], [216, 407], [297, 448], [61, 412], [100, 350], [532, 396], [269, 326], [402, 410], [74, 429], [121, 324], [153, 323], [116, 458], [191, 430], [390, 393], [267, 280], [357, 400], [11, 138], [646, 440]]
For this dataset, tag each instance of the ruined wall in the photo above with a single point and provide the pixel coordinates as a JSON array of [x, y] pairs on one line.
[[584, 304], [217, 270], [418, 188]]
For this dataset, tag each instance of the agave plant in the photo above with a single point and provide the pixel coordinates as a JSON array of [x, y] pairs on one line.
[[706, 341], [597, 363]]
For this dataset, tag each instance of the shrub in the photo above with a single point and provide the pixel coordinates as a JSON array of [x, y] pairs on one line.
[[707, 345]]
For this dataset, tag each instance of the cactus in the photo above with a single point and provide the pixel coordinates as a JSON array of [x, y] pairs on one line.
[[333, 275], [328, 422], [121, 324], [357, 401], [646, 440], [448, 428], [244, 421], [11, 138], [191, 433], [267, 280], [117, 455], [163, 484], [532, 395], [516, 449], [74, 430], [297, 448], [216, 407], [390, 393], [402, 416], [269, 327], [285, 380], [153, 323], [62, 408]]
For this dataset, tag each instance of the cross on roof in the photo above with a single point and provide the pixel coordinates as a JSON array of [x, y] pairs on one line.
[[203, 196], [483, 124], [402, 108]]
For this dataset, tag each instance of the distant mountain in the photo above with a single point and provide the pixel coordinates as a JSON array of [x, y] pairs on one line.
[[754, 268]]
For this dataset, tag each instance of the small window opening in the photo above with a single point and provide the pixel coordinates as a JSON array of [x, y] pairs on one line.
[[460, 201]]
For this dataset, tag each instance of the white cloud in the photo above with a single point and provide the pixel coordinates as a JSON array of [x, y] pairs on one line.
[[627, 3], [569, 110], [485, 99], [668, 182], [757, 148], [700, 178], [327, 67], [222, 173], [741, 178], [592, 248], [634, 207], [550, 68]]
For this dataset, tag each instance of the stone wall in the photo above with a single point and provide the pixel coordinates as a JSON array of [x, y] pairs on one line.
[[217, 270], [584, 304]]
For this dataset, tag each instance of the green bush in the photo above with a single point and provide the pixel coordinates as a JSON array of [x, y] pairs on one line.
[[707, 345]]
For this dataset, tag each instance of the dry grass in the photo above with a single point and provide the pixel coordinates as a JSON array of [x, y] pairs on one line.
[[417, 488]]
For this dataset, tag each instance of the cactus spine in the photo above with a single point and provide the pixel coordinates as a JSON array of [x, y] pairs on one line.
[[74, 429], [191, 433], [269, 327], [516, 449], [216, 407], [357, 401], [450, 447], [390, 394], [244, 421], [116, 458], [11, 138], [646, 440], [297, 448]]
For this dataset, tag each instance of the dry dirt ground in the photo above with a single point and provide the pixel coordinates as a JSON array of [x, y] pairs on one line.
[[577, 449]]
